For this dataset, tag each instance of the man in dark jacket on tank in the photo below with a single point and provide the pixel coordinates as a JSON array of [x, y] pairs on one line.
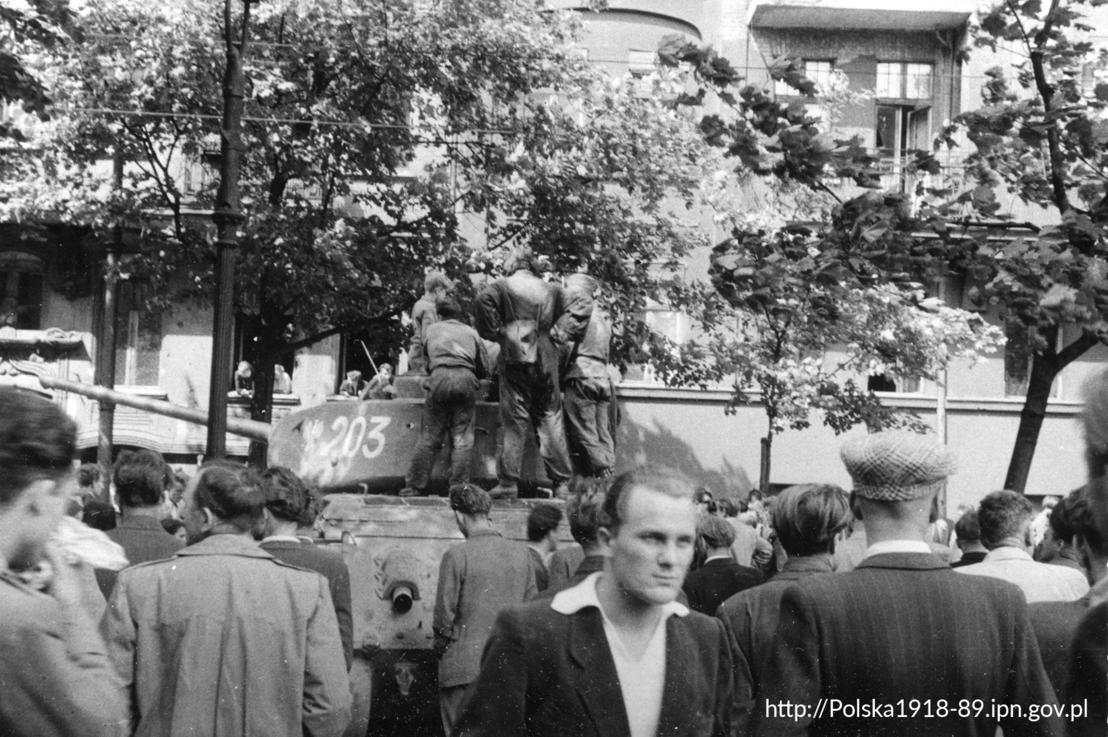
[[529, 318], [457, 358]]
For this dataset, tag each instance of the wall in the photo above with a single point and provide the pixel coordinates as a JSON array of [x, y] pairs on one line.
[[688, 430]]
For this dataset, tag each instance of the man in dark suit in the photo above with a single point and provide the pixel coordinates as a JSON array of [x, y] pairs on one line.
[[288, 507], [616, 655], [141, 478], [902, 630], [968, 532], [542, 540], [807, 519], [708, 586], [584, 513]]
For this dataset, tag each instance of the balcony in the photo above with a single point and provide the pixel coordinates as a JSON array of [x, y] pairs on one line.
[[882, 15]]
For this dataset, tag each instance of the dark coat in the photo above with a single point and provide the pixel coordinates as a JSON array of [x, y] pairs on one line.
[[1089, 669], [968, 559], [1054, 623], [331, 565], [143, 539], [904, 626], [709, 586], [547, 674], [589, 565]]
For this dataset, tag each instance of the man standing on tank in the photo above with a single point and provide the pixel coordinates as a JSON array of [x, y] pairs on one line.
[[424, 314], [456, 358], [588, 387], [527, 317]]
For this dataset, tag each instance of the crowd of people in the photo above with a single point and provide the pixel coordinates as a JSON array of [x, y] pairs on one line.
[[673, 613]]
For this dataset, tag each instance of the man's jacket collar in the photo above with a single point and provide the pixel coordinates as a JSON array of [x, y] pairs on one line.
[[904, 561], [224, 544]]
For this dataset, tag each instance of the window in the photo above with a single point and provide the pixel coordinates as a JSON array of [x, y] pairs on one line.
[[247, 342], [819, 71], [641, 64], [672, 324], [20, 291], [882, 383], [138, 338], [905, 81], [901, 129]]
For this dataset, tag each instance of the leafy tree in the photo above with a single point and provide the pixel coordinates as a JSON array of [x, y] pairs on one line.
[[27, 29], [846, 277], [1040, 135], [373, 143]]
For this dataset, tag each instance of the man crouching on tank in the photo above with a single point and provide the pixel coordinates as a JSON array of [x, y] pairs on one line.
[[456, 358], [616, 654]]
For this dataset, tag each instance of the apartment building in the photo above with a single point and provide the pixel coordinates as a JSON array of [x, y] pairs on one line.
[[896, 65]]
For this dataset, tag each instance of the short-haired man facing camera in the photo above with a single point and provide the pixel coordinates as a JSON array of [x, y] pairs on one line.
[[224, 638], [883, 634], [616, 654], [56, 677]]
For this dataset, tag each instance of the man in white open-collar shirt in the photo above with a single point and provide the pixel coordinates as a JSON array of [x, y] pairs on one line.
[[616, 655]]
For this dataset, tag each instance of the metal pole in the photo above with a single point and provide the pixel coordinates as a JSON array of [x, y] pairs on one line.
[[941, 406], [105, 346], [227, 216]]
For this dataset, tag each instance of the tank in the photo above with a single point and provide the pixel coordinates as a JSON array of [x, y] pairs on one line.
[[392, 547]]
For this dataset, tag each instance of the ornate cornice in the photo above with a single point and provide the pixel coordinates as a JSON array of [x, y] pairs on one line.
[[35, 352]]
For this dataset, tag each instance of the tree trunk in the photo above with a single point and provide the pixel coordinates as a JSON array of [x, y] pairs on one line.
[[1044, 368], [764, 465]]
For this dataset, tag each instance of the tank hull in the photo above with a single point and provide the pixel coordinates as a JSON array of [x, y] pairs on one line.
[[367, 446]]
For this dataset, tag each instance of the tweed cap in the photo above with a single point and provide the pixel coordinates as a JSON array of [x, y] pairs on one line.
[[897, 465]]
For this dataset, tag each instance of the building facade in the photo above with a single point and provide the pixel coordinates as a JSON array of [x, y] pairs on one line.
[[897, 66]]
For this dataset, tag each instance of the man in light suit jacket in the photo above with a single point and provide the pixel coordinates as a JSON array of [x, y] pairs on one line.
[[477, 578], [616, 655], [902, 637]]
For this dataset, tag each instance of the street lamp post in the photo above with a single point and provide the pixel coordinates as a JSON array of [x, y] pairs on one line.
[[228, 217]]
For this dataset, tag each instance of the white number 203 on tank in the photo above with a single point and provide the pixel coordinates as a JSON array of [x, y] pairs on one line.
[[361, 433]]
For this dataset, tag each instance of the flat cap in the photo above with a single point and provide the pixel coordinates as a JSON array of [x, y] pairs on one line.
[[896, 465]]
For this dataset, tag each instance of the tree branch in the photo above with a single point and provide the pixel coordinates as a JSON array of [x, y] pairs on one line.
[[1075, 349], [1046, 93]]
